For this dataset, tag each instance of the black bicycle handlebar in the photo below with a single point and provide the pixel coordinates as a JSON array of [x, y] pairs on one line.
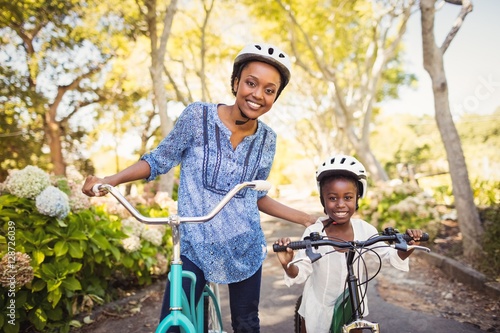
[[314, 240]]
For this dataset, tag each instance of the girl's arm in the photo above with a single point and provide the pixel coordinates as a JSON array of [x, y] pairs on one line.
[[286, 257], [274, 208]]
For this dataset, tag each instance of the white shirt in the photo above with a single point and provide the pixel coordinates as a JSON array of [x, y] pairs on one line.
[[325, 278]]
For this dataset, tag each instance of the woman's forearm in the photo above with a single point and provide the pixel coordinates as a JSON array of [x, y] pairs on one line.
[[274, 208], [137, 171]]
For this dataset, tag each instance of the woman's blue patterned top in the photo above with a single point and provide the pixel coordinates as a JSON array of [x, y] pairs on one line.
[[230, 247]]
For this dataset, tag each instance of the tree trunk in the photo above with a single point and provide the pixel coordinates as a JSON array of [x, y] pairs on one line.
[[53, 137], [468, 216], [157, 57], [374, 168]]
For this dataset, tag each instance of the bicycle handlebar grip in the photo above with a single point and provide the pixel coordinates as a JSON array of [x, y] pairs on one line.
[[261, 185], [293, 245], [424, 238], [95, 188]]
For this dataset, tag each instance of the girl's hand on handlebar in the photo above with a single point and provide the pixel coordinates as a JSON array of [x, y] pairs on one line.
[[416, 234], [89, 183], [284, 257]]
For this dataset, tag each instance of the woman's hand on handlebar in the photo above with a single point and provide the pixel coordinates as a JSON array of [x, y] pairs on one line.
[[89, 183]]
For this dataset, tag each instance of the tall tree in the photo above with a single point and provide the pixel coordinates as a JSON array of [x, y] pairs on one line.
[[468, 216], [158, 42], [55, 51], [352, 46], [20, 137]]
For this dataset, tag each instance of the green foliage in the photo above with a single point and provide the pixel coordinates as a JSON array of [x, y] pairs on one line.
[[489, 263], [415, 142], [77, 262], [12, 127], [400, 206], [486, 193]]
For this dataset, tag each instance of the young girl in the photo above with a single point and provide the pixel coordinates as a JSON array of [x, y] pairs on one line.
[[341, 182], [219, 146]]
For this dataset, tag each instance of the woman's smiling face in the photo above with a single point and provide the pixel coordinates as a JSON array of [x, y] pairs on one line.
[[257, 88], [340, 197]]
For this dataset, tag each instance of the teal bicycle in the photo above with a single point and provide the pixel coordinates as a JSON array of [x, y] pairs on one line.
[[205, 316]]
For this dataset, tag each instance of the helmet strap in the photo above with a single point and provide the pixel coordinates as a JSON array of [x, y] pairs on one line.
[[330, 222], [243, 122]]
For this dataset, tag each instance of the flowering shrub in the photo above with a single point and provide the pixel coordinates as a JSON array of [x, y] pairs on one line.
[[53, 202], [401, 206], [152, 235], [131, 243], [70, 257], [19, 272], [137, 231], [132, 227], [27, 183]]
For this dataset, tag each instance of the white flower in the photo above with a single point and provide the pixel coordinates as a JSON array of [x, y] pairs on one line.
[[152, 235], [28, 182], [132, 227], [165, 202], [131, 244], [53, 202], [77, 200]]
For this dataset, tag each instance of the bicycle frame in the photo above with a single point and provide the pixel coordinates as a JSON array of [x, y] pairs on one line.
[[183, 312], [354, 318]]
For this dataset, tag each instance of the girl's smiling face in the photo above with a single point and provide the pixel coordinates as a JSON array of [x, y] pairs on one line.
[[340, 197], [257, 88]]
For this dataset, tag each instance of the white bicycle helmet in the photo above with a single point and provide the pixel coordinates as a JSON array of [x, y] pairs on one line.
[[266, 53], [343, 165]]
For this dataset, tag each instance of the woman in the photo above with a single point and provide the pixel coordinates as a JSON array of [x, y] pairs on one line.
[[219, 146]]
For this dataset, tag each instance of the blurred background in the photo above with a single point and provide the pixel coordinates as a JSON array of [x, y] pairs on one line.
[[87, 87]]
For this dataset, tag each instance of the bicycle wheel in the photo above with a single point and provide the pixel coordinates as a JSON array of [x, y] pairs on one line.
[[298, 320], [212, 322]]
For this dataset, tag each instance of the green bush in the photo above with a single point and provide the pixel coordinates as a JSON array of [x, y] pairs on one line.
[[486, 193], [400, 206], [54, 267], [489, 263]]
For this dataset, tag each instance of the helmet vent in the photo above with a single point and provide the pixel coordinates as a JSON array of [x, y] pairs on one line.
[[258, 47], [270, 51]]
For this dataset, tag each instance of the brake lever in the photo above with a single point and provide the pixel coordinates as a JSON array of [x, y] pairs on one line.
[[298, 260], [419, 247], [405, 247], [313, 256]]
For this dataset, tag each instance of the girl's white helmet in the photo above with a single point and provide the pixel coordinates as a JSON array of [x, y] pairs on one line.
[[266, 53], [343, 165]]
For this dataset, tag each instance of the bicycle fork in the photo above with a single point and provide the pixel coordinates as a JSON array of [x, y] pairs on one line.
[[176, 316]]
